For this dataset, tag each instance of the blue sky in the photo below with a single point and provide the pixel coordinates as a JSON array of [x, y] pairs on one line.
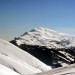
[[19, 16]]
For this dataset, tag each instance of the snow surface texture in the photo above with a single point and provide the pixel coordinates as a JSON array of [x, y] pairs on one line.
[[46, 37], [6, 71], [69, 70], [14, 61]]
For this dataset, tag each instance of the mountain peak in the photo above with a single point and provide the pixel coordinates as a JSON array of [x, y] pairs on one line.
[[46, 37]]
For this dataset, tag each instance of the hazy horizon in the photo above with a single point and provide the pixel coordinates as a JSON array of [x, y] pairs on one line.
[[19, 16]]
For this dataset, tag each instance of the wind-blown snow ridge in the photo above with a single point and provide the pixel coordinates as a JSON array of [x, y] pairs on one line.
[[46, 37]]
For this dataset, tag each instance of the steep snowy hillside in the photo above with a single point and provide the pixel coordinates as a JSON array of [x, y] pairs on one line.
[[46, 37], [18, 60]]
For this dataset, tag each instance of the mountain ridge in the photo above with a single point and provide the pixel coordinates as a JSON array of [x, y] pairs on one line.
[[46, 37]]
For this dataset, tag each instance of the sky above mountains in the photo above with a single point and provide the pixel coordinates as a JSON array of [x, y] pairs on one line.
[[18, 16]]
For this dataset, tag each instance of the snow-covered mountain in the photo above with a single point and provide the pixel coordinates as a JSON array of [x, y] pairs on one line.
[[50, 46], [46, 37], [14, 61]]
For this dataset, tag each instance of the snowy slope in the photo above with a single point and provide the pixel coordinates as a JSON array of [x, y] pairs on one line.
[[46, 37], [6, 71], [19, 60], [68, 70]]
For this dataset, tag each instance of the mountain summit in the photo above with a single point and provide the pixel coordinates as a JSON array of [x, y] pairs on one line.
[[46, 37]]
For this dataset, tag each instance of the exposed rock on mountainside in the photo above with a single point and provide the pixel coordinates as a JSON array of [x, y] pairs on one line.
[[53, 48]]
